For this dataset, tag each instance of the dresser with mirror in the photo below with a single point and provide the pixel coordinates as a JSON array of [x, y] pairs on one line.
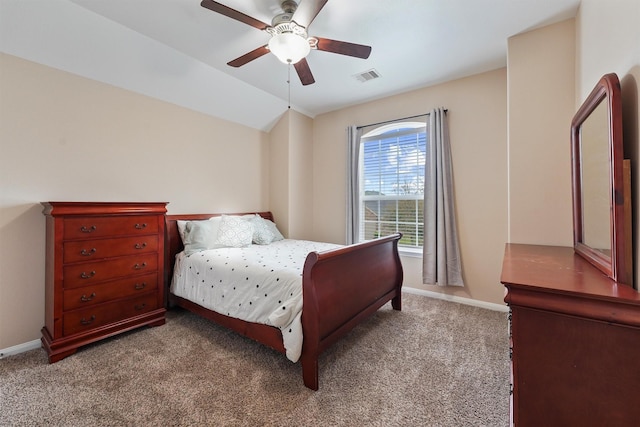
[[574, 311]]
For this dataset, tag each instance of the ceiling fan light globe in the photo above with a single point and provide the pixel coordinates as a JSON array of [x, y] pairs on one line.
[[289, 48]]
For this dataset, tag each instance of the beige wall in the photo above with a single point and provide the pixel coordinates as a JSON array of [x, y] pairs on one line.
[[279, 173], [608, 41], [290, 174], [541, 104], [68, 138], [478, 130], [301, 176]]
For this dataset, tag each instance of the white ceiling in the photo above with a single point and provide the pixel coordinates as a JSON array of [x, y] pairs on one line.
[[177, 51]]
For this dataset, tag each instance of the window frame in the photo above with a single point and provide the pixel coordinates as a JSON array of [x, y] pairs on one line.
[[396, 129]]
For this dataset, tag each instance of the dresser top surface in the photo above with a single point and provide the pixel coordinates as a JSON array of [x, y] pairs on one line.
[[557, 269], [103, 208]]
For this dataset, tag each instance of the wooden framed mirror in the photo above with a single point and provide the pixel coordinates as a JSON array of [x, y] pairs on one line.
[[601, 183]]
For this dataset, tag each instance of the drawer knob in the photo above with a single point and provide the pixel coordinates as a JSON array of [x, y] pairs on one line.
[[88, 276], [141, 245], [141, 226], [88, 230], [139, 286], [140, 306], [89, 320], [89, 252], [85, 298], [140, 266]]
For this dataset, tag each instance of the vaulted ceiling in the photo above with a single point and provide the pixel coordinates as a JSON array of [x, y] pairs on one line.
[[177, 51]]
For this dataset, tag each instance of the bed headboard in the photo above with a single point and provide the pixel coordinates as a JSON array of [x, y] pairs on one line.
[[173, 244]]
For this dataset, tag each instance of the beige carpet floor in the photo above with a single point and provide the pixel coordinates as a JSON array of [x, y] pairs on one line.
[[436, 363]]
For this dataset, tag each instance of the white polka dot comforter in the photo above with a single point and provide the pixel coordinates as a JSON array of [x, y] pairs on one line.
[[257, 283]]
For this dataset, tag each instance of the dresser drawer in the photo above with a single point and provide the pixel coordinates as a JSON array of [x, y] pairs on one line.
[[88, 296], [87, 273], [101, 226], [77, 321], [86, 250]]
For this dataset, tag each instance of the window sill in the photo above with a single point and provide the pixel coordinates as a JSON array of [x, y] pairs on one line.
[[410, 252]]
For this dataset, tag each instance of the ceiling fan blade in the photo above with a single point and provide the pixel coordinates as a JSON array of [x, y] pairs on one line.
[[234, 14], [304, 72], [307, 11], [248, 57], [344, 48]]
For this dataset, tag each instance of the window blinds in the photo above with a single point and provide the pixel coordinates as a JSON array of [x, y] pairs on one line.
[[392, 182]]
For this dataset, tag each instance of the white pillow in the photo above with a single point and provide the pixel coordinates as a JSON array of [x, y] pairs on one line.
[[181, 224], [199, 235], [262, 234], [234, 232]]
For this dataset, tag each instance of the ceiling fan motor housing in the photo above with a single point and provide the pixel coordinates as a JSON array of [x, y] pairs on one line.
[[289, 6], [287, 27]]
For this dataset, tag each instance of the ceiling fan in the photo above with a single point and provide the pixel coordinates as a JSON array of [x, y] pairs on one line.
[[289, 39]]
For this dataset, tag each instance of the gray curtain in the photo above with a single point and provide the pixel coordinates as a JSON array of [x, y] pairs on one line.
[[353, 158], [441, 255]]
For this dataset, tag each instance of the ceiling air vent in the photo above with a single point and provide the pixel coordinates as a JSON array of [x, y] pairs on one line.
[[367, 75]]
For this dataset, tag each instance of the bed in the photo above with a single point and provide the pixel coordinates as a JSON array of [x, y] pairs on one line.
[[340, 288]]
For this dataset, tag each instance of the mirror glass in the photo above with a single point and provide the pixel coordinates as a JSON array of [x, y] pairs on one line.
[[601, 183], [596, 209]]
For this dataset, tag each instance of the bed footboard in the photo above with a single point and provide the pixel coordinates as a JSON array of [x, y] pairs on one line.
[[341, 288]]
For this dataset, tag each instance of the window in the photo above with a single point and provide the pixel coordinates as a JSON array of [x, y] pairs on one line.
[[391, 182]]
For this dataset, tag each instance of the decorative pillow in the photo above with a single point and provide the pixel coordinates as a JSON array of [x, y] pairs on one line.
[[215, 226], [272, 227], [262, 234], [234, 232]]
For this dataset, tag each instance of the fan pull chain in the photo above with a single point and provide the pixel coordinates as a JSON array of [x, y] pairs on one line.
[[289, 85]]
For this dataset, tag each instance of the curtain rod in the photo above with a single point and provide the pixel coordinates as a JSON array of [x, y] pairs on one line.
[[396, 120]]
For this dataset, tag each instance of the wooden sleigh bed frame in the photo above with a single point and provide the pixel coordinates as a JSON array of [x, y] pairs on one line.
[[341, 288]]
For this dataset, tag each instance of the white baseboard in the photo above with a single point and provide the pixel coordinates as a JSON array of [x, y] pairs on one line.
[[453, 298], [20, 348]]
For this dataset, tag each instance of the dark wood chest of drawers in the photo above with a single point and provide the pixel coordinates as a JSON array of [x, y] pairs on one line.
[[104, 276], [575, 337]]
